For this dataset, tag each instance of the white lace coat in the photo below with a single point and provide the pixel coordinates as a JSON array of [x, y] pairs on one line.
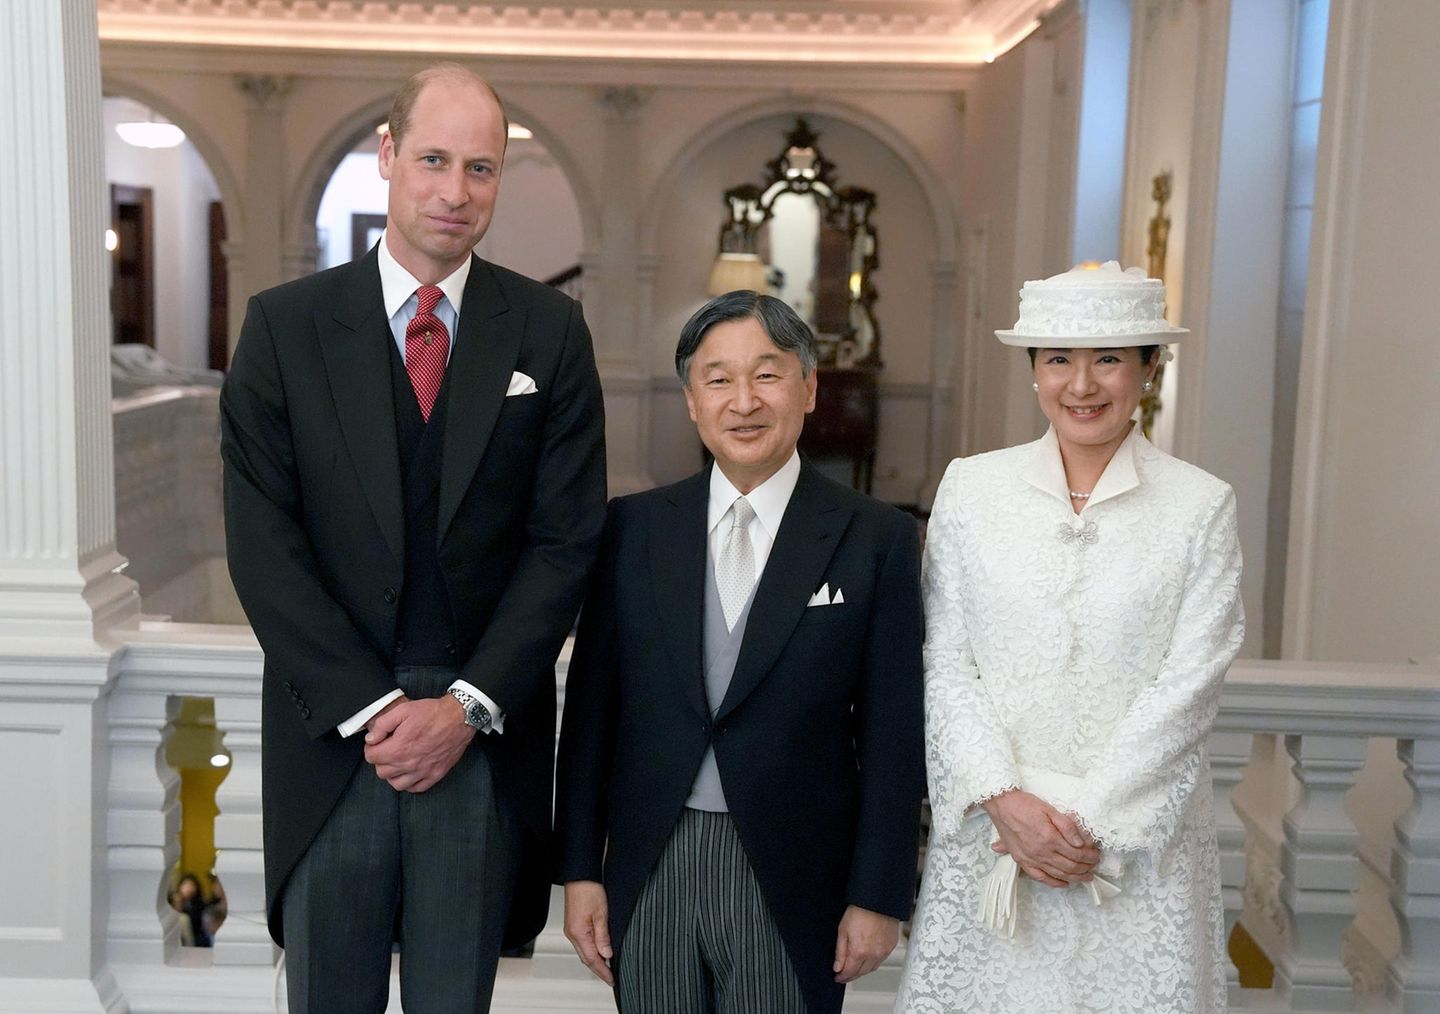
[[1094, 645]]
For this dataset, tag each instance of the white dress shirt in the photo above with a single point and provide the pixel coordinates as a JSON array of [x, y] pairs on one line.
[[397, 290], [769, 499]]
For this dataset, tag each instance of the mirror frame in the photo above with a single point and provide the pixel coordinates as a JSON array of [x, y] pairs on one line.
[[801, 168]]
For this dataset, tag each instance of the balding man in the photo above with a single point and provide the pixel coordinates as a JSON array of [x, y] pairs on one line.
[[414, 493]]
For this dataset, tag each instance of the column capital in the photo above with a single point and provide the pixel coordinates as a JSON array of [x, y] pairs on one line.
[[622, 101], [264, 91]]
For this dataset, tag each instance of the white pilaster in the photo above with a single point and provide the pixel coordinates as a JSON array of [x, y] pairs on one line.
[[939, 450], [265, 255], [60, 592], [624, 284], [1232, 257]]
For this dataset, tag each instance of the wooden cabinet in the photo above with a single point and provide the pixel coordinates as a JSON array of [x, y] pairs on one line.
[[845, 421]]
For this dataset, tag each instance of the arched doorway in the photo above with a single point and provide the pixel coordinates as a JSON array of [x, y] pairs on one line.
[[169, 280], [536, 229]]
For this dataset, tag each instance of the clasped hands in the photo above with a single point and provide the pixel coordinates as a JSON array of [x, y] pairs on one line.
[[1047, 845], [863, 941], [412, 744]]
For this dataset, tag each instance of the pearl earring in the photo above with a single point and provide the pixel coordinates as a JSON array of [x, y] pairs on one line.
[[1036, 385], [1148, 386]]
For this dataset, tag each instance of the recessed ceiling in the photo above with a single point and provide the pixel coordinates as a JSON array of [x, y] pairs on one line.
[[935, 33]]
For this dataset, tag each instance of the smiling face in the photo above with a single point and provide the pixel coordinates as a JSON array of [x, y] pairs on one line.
[[444, 176], [1089, 395], [748, 399]]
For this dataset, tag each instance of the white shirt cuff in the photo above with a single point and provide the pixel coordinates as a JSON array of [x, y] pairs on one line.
[[497, 717], [357, 721]]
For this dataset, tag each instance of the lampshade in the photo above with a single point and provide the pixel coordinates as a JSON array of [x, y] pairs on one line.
[[737, 271]]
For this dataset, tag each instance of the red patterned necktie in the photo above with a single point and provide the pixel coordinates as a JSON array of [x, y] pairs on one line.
[[427, 346]]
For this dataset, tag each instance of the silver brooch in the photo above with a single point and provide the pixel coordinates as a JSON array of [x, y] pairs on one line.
[[1082, 537]]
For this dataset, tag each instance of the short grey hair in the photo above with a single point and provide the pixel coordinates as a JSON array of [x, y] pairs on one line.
[[780, 322]]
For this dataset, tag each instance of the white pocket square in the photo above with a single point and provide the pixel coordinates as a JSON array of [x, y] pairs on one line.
[[520, 384], [822, 597]]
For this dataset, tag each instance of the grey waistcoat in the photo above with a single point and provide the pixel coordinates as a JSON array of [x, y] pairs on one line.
[[722, 649]]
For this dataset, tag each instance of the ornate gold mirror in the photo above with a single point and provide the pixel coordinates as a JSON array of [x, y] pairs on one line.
[[810, 243]]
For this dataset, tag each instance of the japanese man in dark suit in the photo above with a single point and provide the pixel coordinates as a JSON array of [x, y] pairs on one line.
[[741, 755]]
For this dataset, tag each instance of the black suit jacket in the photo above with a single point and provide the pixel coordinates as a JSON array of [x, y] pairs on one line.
[[819, 740], [315, 529]]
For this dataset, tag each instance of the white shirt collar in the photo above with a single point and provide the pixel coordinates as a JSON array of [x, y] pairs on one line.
[[398, 285], [1046, 471], [769, 499]]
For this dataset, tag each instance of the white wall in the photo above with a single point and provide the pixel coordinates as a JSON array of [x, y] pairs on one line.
[[1364, 557], [536, 228], [1021, 119], [183, 189]]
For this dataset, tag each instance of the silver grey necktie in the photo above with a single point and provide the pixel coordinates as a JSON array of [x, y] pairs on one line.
[[735, 570]]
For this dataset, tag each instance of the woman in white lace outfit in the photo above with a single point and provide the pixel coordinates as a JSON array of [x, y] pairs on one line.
[[1082, 606]]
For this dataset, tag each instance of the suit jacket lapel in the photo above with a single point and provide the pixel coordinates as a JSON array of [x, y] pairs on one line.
[[677, 567], [487, 346], [808, 535], [354, 343]]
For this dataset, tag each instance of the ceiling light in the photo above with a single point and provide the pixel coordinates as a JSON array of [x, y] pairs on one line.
[[112, 241], [150, 134], [220, 760], [517, 132]]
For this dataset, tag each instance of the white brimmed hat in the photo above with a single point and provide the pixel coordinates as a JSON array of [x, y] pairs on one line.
[[1093, 307]]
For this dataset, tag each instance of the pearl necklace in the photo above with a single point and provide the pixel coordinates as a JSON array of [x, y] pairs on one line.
[[1079, 496]]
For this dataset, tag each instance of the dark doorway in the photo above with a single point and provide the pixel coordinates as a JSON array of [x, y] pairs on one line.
[[219, 291], [132, 286], [365, 232]]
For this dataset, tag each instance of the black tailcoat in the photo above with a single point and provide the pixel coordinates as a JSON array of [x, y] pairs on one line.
[[315, 530], [819, 739]]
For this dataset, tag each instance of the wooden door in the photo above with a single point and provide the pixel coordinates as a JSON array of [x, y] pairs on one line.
[[132, 286]]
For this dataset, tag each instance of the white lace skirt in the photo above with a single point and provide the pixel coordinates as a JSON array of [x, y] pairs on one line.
[[1157, 948]]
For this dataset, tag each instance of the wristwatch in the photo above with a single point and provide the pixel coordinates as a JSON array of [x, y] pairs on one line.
[[477, 716]]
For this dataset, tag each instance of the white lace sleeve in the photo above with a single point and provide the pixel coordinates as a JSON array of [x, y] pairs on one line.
[[1136, 795], [967, 754]]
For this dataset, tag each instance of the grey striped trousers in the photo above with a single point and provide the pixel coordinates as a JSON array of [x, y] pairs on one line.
[[701, 940]]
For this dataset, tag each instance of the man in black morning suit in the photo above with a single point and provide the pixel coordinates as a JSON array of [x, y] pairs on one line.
[[414, 494], [741, 756]]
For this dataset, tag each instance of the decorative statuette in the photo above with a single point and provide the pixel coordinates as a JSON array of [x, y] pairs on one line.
[[1081, 537]]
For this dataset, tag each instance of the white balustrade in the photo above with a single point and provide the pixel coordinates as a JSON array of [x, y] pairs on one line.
[[1229, 756], [1325, 716], [1321, 869], [1414, 976]]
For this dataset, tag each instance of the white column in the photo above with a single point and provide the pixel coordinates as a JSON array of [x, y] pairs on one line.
[[1321, 868], [1413, 983], [60, 592]]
